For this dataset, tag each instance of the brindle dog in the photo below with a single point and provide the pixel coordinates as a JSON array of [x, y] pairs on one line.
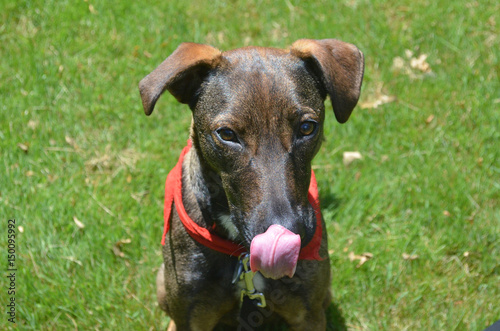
[[258, 117]]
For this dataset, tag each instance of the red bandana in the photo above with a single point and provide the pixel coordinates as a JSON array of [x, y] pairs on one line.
[[173, 193]]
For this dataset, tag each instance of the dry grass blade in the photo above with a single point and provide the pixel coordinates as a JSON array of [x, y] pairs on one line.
[[409, 257], [78, 223], [362, 258], [377, 101], [350, 157], [23, 146], [117, 247]]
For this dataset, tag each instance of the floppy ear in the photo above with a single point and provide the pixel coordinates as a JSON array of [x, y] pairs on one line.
[[181, 74], [340, 66]]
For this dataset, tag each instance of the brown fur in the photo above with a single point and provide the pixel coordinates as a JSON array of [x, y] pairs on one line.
[[263, 95]]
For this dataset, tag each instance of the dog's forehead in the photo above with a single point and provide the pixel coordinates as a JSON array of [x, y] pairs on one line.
[[251, 52], [258, 80], [259, 59]]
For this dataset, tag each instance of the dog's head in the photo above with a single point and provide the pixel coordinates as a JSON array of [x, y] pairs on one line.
[[258, 118]]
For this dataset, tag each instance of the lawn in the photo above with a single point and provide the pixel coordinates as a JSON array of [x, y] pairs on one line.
[[82, 168]]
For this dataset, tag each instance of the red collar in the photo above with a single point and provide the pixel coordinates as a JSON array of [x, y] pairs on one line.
[[173, 193]]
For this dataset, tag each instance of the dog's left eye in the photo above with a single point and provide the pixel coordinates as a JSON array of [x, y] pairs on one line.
[[227, 134], [307, 128]]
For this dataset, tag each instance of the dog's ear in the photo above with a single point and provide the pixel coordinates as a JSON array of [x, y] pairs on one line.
[[181, 74], [340, 66]]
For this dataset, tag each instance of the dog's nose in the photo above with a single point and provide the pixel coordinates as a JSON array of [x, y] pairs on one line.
[[287, 216], [298, 228]]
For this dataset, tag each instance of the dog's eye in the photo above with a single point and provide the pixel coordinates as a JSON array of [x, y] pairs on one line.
[[227, 134], [307, 128]]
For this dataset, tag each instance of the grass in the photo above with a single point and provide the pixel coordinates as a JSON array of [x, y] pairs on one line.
[[74, 143]]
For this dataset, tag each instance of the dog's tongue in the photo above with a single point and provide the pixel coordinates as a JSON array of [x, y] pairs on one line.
[[275, 252]]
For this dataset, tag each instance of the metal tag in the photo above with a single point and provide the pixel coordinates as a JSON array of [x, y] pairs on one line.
[[243, 272]]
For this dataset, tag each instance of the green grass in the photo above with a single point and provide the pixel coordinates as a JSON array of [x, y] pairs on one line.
[[68, 91]]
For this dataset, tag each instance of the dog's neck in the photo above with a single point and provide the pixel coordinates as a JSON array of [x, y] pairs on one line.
[[205, 201]]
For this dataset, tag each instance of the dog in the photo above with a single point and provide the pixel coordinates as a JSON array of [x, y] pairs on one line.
[[242, 219]]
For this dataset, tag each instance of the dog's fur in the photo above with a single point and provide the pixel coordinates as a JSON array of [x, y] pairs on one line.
[[258, 177]]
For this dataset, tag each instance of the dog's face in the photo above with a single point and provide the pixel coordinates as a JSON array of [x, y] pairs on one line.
[[258, 118], [258, 123]]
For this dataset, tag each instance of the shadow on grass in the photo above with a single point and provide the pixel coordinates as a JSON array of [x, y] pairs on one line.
[[334, 319], [334, 322], [327, 199]]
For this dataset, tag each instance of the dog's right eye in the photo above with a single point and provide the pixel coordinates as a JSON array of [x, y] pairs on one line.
[[227, 134]]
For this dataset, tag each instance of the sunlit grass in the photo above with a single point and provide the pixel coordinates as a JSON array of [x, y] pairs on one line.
[[427, 185]]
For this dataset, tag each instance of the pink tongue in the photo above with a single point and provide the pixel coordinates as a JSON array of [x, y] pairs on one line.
[[275, 252]]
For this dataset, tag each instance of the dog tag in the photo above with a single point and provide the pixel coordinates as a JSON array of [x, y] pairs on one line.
[[237, 272], [243, 272]]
